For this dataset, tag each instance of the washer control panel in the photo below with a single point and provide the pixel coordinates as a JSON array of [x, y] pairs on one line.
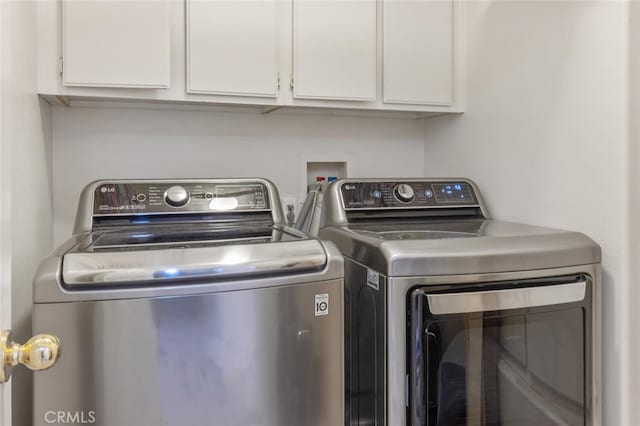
[[418, 194], [119, 198]]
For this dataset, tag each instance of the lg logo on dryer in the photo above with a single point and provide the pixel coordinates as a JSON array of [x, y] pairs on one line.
[[70, 417]]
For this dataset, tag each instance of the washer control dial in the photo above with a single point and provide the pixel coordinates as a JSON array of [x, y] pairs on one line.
[[176, 196], [404, 193]]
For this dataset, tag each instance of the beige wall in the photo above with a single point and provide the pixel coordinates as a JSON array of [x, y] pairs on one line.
[[26, 126], [95, 143], [545, 135], [633, 211]]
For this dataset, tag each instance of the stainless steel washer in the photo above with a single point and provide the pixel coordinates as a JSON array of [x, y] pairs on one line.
[[188, 303], [453, 318]]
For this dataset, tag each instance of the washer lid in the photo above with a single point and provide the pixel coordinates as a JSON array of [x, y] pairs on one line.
[[183, 236], [89, 265], [473, 246]]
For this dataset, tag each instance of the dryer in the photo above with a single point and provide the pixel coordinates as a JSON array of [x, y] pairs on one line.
[[454, 318], [189, 303]]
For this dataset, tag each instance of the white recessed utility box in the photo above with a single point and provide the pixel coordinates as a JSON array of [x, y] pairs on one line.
[[325, 170]]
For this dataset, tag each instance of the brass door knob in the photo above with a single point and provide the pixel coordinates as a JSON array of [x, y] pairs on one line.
[[39, 353]]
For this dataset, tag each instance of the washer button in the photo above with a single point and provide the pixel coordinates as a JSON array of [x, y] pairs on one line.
[[428, 193], [377, 194], [141, 197]]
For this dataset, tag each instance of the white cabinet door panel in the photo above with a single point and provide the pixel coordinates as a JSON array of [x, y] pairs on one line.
[[117, 43], [232, 47], [418, 51], [334, 53]]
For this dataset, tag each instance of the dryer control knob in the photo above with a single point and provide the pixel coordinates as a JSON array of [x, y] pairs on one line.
[[176, 196], [404, 193]]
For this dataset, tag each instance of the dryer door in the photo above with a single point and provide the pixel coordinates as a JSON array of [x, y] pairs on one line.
[[508, 354]]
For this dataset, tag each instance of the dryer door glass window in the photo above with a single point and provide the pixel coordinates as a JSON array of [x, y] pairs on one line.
[[521, 367]]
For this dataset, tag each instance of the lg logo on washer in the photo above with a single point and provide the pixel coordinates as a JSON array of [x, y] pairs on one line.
[[70, 417], [322, 304]]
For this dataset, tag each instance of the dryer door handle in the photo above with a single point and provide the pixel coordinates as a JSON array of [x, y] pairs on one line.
[[501, 300]]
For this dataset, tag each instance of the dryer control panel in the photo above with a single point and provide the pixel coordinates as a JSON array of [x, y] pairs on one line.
[[407, 194], [126, 198]]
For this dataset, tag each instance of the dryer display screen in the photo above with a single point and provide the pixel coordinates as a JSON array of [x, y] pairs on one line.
[[452, 193]]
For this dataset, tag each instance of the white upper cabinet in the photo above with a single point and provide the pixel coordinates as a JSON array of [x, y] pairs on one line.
[[114, 43], [232, 47], [384, 55], [418, 46], [334, 49]]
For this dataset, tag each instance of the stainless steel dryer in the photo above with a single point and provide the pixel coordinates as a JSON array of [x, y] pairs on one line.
[[453, 318], [188, 303]]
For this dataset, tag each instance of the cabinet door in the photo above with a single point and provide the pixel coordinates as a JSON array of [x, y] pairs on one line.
[[418, 51], [116, 43], [334, 53], [232, 47]]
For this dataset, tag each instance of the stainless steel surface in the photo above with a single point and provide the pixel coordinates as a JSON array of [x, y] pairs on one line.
[[39, 353], [185, 235], [396, 291], [309, 218], [84, 216], [176, 196], [218, 319], [235, 358], [404, 192], [410, 252], [333, 208], [497, 300], [179, 264], [489, 246], [365, 347], [48, 287]]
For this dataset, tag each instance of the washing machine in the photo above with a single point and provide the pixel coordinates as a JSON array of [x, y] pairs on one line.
[[454, 318], [189, 303]]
